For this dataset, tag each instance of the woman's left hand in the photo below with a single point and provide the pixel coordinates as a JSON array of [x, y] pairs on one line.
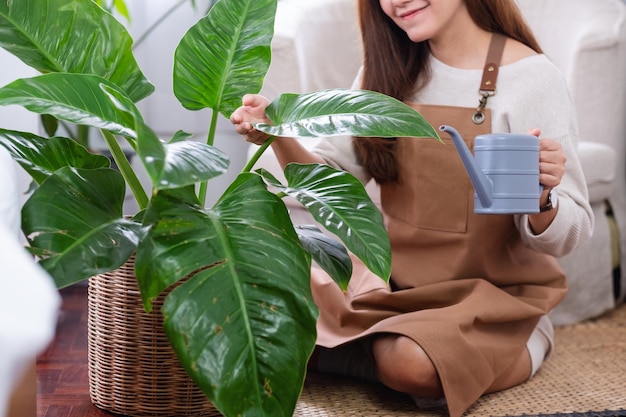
[[551, 163], [551, 170]]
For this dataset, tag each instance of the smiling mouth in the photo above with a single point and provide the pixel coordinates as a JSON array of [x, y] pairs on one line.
[[411, 13]]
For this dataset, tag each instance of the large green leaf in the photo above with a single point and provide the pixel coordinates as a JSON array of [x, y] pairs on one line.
[[179, 241], [344, 112], [40, 157], [328, 253], [82, 99], [91, 100], [340, 203], [74, 223], [180, 163], [225, 55], [73, 36], [244, 325]]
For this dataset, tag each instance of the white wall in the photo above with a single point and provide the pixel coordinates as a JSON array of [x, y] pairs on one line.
[[15, 118]]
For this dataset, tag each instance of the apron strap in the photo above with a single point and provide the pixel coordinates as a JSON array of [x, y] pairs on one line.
[[494, 56], [490, 75]]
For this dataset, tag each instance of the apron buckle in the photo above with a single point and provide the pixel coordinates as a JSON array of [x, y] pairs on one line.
[[479, 115]]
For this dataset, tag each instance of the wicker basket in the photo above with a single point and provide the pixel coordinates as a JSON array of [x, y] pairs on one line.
[[132, 368]]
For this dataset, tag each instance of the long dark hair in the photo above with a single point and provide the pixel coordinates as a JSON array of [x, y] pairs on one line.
[[396, 66]]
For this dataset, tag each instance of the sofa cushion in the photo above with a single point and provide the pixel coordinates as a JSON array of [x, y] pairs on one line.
[[599, 163]]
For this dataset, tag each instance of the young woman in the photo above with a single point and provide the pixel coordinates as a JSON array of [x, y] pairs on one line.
[[465, 311]]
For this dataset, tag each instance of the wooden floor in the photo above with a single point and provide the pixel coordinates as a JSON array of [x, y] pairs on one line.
[[62, 382]]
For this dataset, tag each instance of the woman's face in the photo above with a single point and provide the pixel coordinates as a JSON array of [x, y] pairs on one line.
[[424, 19]]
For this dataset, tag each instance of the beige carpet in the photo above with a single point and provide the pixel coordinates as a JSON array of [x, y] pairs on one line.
[[585, 376]]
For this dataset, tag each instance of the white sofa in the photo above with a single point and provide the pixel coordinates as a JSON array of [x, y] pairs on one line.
[[587, 40], [316, 46]]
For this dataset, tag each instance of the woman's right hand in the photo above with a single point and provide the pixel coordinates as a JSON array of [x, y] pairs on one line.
[[286, 149], [251, 111]]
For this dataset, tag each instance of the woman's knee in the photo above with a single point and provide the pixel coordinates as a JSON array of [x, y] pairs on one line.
[[402, 365]]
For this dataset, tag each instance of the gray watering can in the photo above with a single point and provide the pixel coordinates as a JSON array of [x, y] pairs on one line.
[[504, 171]]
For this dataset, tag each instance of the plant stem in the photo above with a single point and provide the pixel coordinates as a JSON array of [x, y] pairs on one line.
[[210, 140], [126, 170], [202, 192], [258, 154], [82, 135]]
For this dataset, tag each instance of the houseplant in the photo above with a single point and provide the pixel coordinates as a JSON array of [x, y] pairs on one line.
[[82, 133], [243, 322]]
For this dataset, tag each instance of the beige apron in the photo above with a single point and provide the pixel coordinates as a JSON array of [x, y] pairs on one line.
[[464, 286]]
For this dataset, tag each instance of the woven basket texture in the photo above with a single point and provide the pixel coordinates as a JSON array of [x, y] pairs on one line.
[[132, 368]]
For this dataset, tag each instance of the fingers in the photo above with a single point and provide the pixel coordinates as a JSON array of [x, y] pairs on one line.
[[250, 134], [243, 128], [551, 162], [534, 132], [254, 100], [251, 111], [236, 118], [256, 137]]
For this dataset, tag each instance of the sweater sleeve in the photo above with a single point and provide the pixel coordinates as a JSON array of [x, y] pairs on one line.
[[338, 151], [543, 101]]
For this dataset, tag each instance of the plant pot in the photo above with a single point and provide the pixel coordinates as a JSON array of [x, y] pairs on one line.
[[132, 368]]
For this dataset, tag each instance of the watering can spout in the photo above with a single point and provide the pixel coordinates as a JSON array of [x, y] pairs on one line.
[[482, 184]]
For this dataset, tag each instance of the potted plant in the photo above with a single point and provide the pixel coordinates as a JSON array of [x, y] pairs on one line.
[[246, 294]]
